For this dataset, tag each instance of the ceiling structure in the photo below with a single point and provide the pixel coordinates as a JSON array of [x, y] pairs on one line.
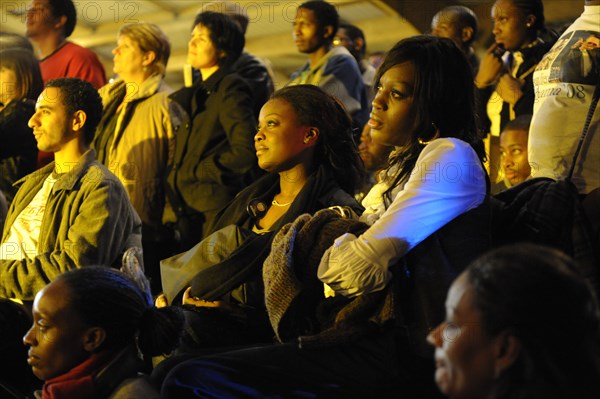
[[269, 33]]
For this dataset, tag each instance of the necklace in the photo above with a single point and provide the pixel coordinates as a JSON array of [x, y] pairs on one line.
[[274, 202]]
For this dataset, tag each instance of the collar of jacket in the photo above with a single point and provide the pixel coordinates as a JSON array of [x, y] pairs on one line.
[[185, 95], [149, 87], [68, 180]]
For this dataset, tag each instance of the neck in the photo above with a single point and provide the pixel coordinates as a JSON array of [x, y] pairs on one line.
[[314, 57], [291, 182], [46, 45], [66, 158], [207, 72], [136, 81]]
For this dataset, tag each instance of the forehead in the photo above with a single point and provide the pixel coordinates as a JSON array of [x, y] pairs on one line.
[[52, 302], [444, 18], [50, 98], [460, 294], [277, 106], [513, 136], [401, 73], [504, 8], [306, 15], [201, 30]]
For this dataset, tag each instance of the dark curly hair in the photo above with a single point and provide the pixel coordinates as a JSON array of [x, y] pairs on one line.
[[335, 148], [443, 98], [79, 95], [225, 34], [107, 298], [535, 293]]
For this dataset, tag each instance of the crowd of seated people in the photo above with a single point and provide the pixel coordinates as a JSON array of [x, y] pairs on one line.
[[264, 250]]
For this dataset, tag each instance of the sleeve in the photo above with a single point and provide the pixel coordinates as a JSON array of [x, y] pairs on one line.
[[237, 119], [99, 232], [342, 79], [447, 181]]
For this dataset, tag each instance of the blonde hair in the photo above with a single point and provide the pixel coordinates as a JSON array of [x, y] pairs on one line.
[[149, 37]]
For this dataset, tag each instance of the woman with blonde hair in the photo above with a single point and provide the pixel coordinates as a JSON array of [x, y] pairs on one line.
[[135, 138]]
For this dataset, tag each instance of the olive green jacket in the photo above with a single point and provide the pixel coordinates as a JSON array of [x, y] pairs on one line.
[[88, 220]]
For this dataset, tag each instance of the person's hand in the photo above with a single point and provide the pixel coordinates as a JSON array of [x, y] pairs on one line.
[[509, 88], [227, 307], [161, 301], [490, 68]]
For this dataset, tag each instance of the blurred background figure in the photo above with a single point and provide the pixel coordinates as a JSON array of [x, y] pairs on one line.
[[11, 40], [353, 38], [20, 86], [48, 24], [532, 343], [214, 151], [514, 163], [374, 157], [135, 138], [458, 23], [505, 76]]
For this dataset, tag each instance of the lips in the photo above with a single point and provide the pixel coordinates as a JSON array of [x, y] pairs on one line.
[[374, 122], [260, 149]]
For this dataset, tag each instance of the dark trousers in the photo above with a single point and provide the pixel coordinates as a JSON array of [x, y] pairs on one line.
[[368, 368]]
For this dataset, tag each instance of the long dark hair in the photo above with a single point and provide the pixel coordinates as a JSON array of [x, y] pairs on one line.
[[533, 292], [443, 98], [107, 298], [335, 148]]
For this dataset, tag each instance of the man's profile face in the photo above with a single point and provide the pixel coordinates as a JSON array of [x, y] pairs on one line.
[[50, 122], [445, 24], [307, 34], [39, 18]]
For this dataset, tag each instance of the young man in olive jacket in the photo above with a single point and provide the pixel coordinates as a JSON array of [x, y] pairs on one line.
[[72, 212]]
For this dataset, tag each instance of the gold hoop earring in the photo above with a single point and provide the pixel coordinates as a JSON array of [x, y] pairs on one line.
[[423, 142]]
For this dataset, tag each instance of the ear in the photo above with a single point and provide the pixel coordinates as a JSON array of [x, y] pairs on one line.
[[328, 32], [93, 338], [311, 136], [149, 58], [507, 349], [60, 22], [78, 121], [358, 43], [466, 34]]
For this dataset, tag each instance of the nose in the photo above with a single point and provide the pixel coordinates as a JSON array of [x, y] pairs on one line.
[[495, 29], [507, 160], [29, 339], [115, 50], [33, 121], [378, 102], [259, 136], [434, 338]]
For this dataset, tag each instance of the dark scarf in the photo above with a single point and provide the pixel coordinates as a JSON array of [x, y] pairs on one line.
[[79, 381]]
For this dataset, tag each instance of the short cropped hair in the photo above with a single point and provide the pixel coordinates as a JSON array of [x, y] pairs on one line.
[[149, 37], [80, 95], [66, 8], [325, 14]]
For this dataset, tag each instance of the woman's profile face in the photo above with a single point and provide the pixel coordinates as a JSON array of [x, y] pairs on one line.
[[8, 82], [202, 53], [279, 142], [128, 58], [392, 117], [464, 353], [57, 335], [510, 25]]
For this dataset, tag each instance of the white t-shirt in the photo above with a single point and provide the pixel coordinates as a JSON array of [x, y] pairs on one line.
[[564, 83], [25, 231], [447, 181]]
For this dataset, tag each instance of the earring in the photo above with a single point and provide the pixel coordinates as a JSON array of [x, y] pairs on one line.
[[423, 142], [528, 25]]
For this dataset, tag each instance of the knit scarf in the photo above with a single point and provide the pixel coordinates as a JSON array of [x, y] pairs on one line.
[[77, 383]]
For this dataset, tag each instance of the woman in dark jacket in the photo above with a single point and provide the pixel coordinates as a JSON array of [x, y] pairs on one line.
[[20, 85], [213, 151]]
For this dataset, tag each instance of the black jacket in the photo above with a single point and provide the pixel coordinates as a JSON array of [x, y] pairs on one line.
[[18, 148]]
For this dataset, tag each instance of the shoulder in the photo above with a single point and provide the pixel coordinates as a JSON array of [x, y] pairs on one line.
[[137, 387], [76, 49], [448, 148]]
